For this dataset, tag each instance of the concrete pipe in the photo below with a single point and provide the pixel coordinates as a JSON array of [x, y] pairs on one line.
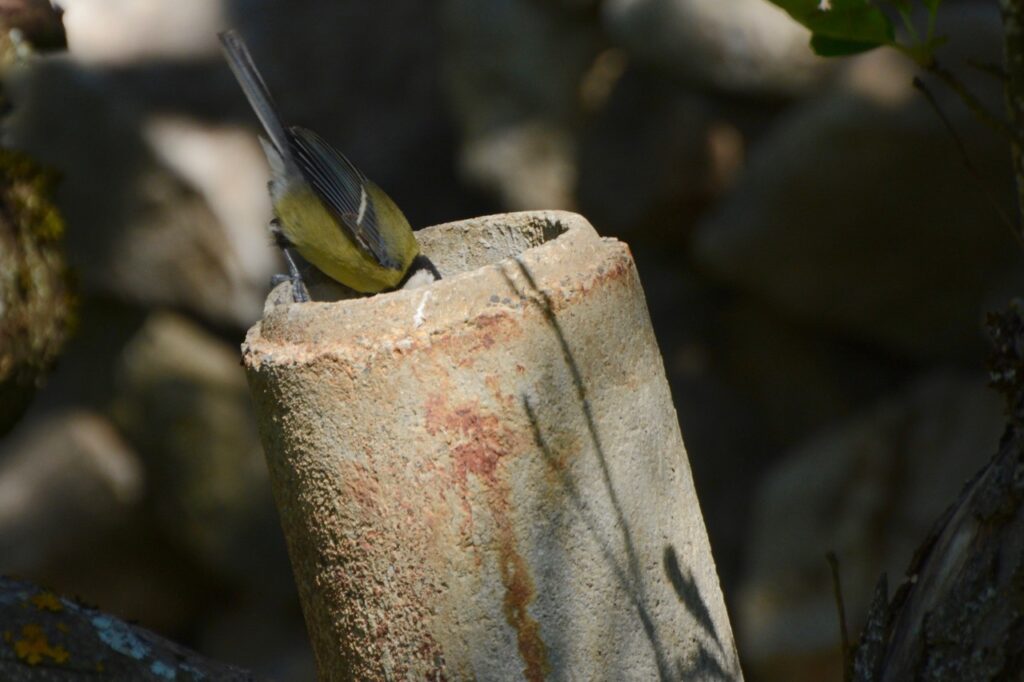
[[484, 478]]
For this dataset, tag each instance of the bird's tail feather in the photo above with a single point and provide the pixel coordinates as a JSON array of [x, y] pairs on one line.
[[255, 89]]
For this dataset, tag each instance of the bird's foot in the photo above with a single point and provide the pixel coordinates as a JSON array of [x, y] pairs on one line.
[[300, 294]]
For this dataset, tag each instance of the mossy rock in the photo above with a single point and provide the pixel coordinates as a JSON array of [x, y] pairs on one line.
[[36, 303]]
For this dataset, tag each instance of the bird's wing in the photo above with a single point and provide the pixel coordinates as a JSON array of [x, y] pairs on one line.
[[343, 189]]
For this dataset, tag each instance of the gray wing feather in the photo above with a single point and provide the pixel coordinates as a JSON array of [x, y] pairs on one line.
[[343, 189]]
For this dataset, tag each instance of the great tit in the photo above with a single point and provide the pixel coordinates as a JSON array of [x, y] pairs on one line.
[[325, 208]]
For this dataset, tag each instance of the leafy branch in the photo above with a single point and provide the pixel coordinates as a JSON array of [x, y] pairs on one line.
[[847, 27]]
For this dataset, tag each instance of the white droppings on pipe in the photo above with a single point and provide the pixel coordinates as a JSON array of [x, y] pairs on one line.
[[417, 319]]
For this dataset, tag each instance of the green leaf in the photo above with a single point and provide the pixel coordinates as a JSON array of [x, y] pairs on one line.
[[932, 5], [824, 46], [848, 21]]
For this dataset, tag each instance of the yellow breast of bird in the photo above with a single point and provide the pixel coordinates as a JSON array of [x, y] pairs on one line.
[[318, 237]]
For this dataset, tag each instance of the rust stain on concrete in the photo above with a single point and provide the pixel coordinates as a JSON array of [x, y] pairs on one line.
[[466, 343], [480, 443], [618, 267], [519, 594], [477, 439]]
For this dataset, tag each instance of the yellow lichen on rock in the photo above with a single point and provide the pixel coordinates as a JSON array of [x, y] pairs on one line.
[[47, 601], [33, 647]]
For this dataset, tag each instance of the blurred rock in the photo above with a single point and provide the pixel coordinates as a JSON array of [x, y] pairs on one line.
[[76, 515], [38, 22], [183, 402], [225, 166], [857, 213], [869, 490], [64, 481], [538, 52], [274, 642], [118, 32], [140, 223], [514, 74], [528, 165], [84, 377], [747, 46], [653, 157], [799, 378], [36, 303], [136, 572]]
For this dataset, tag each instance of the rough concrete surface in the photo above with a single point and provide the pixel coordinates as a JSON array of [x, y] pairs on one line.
[[484, 478]]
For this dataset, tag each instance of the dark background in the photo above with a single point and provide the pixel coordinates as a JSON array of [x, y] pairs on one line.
[[817, 260]]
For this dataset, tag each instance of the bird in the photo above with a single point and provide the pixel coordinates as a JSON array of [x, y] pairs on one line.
[[325, 208]]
